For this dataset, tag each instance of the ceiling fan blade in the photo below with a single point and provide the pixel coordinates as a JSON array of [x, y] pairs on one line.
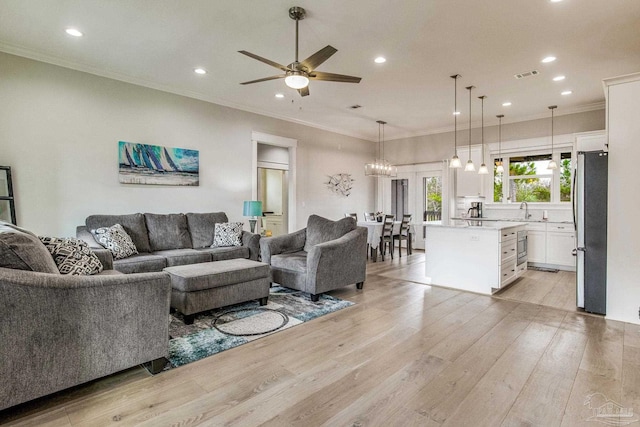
[[304, 91], [281, 76], [319, 57], [331, 77], [265, 60]]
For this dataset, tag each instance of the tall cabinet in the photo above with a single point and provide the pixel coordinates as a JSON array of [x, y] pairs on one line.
[[7, 202], [623, 249]]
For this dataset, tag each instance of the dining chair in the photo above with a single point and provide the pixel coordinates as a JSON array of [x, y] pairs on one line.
[[369, 216], [386, 239], [404, 234], [352, 215]]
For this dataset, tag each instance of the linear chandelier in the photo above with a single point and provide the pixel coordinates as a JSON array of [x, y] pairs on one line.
[[380, 167]]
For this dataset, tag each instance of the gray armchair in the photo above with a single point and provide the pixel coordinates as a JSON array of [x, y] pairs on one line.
[[325, 255]]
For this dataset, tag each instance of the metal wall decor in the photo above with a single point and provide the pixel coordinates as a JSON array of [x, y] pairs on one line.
[[340, 183]]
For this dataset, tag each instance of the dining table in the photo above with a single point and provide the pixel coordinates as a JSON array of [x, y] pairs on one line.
[[374, 232]]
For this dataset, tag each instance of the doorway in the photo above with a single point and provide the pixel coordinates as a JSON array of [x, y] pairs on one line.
[[274, 180], [272, 192]]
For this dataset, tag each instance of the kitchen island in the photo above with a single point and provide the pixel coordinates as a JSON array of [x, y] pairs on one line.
[[480, 258]]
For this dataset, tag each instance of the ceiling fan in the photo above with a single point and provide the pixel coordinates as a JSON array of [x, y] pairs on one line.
[[297, 74]]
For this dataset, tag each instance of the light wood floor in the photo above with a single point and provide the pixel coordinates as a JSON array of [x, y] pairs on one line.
[[406, 354]]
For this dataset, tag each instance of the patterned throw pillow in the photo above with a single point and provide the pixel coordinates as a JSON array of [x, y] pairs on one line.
[[72, 256], [116, 240], [227, 234]]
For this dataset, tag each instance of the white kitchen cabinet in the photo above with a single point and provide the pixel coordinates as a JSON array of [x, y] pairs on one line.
[[537, 242], [551, 244], [469, 183], [561, 240]]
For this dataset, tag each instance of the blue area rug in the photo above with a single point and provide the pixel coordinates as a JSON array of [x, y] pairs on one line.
[[189, 343]]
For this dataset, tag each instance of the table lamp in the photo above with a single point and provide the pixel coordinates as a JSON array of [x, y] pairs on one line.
[[253, 209]]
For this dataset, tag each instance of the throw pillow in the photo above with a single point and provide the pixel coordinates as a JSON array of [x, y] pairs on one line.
[[22, 250], [227, 234], [72, 256], [116, 240], [168, 231], [320, 230]]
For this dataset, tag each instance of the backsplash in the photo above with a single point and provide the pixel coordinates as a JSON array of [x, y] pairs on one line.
[[553, 215]]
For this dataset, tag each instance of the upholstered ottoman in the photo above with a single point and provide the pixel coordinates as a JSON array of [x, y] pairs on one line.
[[200, 287]]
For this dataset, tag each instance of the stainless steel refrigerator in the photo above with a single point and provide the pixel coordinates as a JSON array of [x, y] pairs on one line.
[[590, 217]]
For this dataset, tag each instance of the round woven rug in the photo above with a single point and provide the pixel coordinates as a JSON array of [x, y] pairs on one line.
[[245, 322]]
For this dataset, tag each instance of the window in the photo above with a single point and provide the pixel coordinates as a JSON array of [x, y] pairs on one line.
[[432, 198], [527, 179]]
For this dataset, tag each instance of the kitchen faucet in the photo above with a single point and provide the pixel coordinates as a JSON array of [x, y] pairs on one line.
[[527, 215]]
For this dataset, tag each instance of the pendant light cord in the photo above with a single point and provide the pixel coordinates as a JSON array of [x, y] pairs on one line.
[[470, 88], [482, 129]]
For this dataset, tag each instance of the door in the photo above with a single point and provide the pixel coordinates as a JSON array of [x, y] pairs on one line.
[[272, 192], [429, 203]]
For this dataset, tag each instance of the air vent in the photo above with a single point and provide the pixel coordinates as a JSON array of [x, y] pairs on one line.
[[355, 107], [527, 74]]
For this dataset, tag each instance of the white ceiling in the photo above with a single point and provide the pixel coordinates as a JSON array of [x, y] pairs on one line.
[[158, 43]]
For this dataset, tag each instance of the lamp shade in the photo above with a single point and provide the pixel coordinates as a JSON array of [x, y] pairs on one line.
[[252, 208]]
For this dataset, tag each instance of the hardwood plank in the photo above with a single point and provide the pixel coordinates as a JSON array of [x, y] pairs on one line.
[[458, 342], [587, 384], [499, 387], [544, 397], [631, 335], [382, 403], [440, 398], [54, 418]]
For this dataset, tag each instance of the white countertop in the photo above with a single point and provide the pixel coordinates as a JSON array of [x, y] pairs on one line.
[[480, 224], [512, 220]]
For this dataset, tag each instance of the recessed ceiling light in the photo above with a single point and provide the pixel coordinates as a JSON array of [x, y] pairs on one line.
[[279, 95], [566, 92], [73, 32], [456, 113], [548, 59], [200, 71], [506, 104], [558, 78], [380, 60], [555, 1]]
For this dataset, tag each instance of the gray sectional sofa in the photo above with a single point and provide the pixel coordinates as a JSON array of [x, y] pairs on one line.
[[168, 240], [62, 330]]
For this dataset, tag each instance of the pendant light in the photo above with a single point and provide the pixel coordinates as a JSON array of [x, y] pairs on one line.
[[455, 160], [483, 167], [469, 167], [552, 164], [380, 167], [499, 166]]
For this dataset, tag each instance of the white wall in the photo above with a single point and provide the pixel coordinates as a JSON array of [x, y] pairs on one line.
[[623, 232], [59, 131]]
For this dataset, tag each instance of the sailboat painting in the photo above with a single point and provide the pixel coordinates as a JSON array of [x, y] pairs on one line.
[[154, 164]]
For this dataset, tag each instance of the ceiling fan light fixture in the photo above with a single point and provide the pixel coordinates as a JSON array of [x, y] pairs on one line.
[[296, 80]]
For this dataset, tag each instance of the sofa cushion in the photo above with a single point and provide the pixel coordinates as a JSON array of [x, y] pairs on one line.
[[229, 252], [295, 261], [133, 224], [116, 239], [72, 256], [183, 256], [228, 234], [140, 263], [167, 231], [202, 227], [22, 250], [320, 230]]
